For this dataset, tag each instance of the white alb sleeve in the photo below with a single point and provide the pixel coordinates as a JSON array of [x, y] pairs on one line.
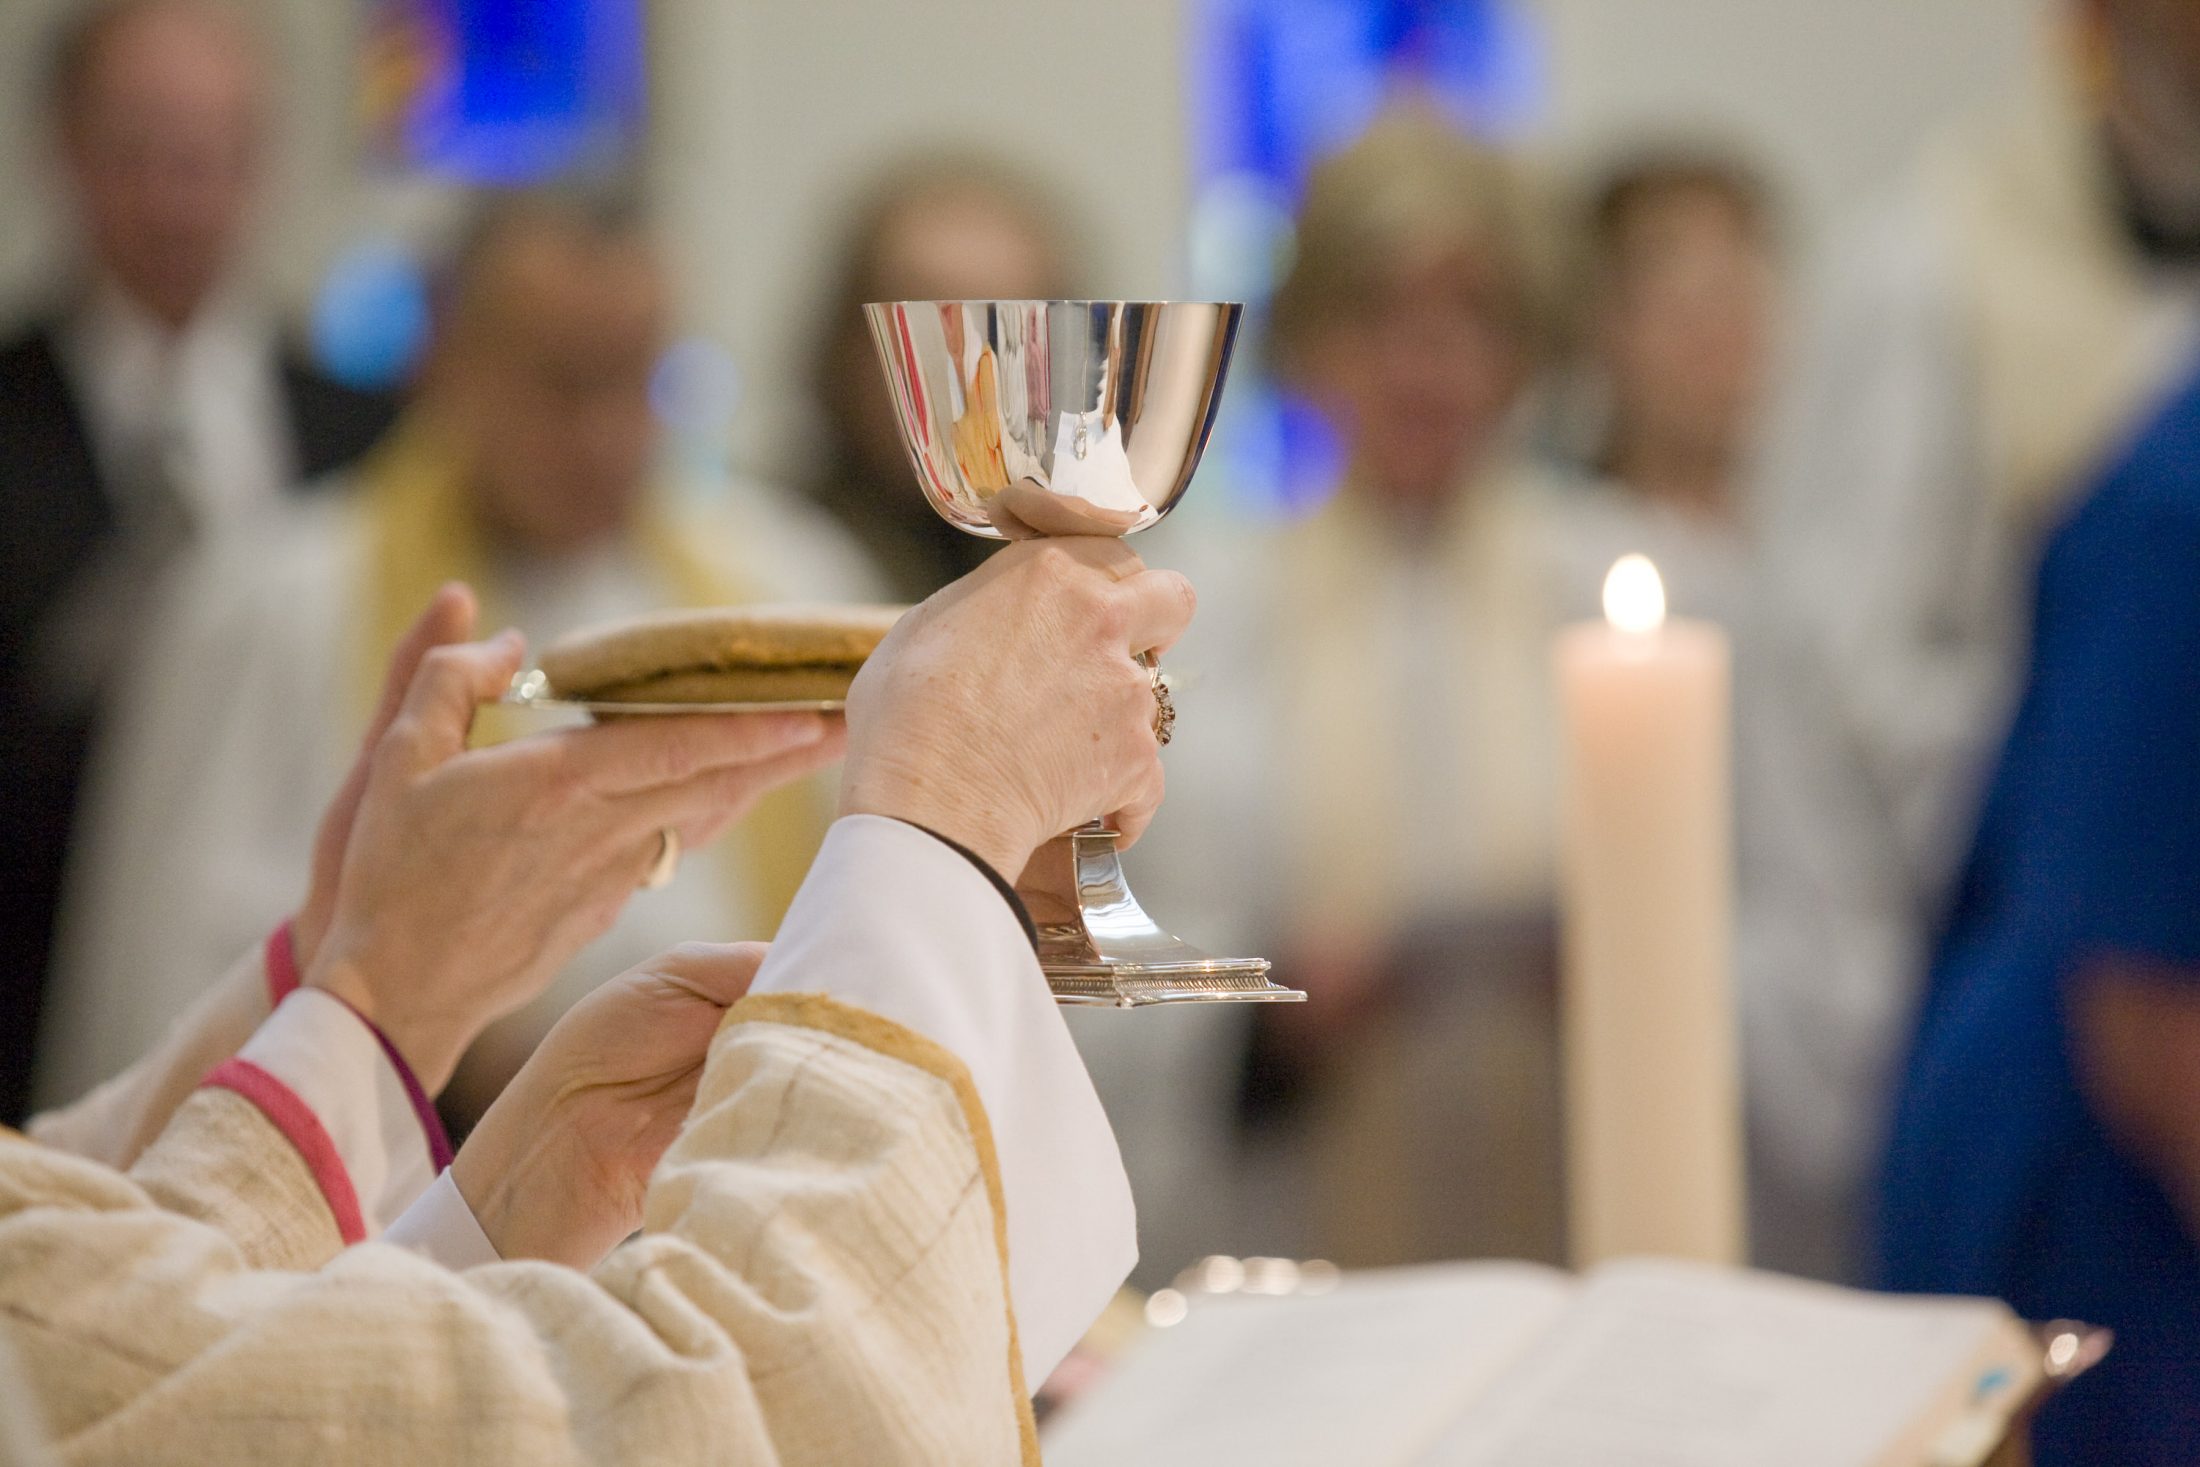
[[331, 1060], [441, 1226], [893, 920]]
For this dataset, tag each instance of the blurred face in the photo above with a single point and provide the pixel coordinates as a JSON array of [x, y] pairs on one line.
[[2154, 105], [161, 153], [2165, 31], [1422, 380], [1686, 318], [953, 247], [544, 378]]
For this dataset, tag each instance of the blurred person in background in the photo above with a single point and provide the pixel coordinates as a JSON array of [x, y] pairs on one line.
[[1407, 654], [1681, 312], [1674, 322], [152, 399], [524, 468], [1683, 294], [2046, 1143], [935, 227], [1979, 344]]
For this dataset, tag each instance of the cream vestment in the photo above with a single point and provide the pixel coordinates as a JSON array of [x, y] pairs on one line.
[[895, 1202]]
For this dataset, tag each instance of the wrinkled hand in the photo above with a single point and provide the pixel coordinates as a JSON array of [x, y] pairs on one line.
[[448, 618], [1007, 708], [470, 878], [559, 1166]]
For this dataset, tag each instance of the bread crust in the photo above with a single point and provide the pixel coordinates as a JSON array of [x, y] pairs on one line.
[[735, 685], [729, 654]]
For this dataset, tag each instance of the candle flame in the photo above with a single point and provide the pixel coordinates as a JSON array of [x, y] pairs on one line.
[[1634, 597]]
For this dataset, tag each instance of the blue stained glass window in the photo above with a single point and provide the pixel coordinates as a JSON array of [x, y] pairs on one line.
[[1282, 82], [491, 92], [506, 92], [1276, 85]]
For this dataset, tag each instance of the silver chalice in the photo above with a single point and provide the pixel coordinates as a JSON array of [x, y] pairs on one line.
[[1031, 418]]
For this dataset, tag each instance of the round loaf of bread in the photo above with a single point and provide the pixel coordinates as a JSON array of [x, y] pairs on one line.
[[721, 654]]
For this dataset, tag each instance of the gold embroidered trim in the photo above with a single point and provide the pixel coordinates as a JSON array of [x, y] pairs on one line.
[[884, 1036]]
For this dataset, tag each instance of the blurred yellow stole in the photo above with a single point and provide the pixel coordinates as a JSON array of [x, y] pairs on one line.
[[1340, 714], [420, 534]]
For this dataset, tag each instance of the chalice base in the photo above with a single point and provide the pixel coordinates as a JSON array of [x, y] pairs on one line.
[[1098, 946]]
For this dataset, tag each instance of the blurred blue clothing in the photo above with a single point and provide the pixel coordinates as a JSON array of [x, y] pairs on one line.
[[1998, 1180]]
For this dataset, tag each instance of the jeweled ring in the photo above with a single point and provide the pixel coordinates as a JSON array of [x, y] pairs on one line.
[[1164, 707], [665, 862]]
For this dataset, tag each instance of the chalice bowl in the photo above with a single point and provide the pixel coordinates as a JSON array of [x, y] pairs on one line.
[[1034, 418]]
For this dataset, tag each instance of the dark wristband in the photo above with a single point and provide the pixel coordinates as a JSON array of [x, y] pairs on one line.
[[432, 1129], [1000, 882], [280, 959]]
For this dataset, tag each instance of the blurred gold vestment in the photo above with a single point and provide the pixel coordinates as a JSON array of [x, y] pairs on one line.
[[422, 534]]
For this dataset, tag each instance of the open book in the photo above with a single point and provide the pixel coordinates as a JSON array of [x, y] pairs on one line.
[[1637, 1364]]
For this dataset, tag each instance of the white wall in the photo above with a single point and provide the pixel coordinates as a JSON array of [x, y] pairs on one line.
[[1832, 93], [771, 113], [768, 111]]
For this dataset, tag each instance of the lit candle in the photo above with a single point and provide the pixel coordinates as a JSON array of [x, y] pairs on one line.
[[1653, 1098]]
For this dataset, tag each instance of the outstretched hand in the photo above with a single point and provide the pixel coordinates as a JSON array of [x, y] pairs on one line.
[[449, 618], [452, 885], [559, 1166], [1009, 706]]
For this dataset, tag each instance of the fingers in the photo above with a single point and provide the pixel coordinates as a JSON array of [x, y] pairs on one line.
[[1064, 556], [438, 710], [1102, 553], [706, 803], [1155, 605], [448, 617], [1160, 605], [719, 973], [1133, 818], [635, 754], [740, 789]]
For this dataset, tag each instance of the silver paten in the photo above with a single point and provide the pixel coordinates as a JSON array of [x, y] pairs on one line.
[[530, 688]]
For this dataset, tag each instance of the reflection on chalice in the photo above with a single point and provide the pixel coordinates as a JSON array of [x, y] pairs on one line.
[[1035, 418]]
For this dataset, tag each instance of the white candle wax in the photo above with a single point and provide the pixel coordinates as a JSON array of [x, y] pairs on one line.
[[1653, 1097]]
